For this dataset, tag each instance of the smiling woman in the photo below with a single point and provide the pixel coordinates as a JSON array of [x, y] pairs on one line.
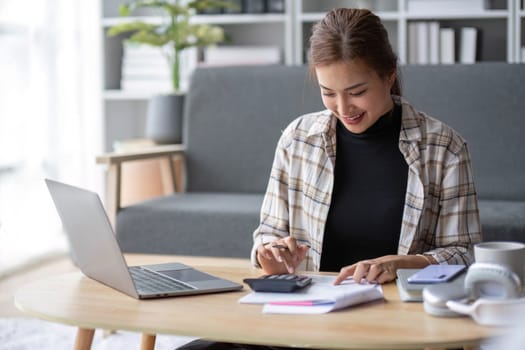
[[370, 184], [49, 117]]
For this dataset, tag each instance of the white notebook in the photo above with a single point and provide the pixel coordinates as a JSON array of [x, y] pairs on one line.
[[318, 298]]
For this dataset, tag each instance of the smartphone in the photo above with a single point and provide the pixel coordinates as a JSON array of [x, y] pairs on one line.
[[436, 274]]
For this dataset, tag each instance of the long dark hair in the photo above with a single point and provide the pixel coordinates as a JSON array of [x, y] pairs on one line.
[[346, 34]]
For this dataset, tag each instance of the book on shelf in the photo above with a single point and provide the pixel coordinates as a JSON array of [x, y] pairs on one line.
[[189, 59], [241, 55], [423, 42], [446, 6], [523, 54], [447, 51], [430, 44], [320, 297], [146, 85], [468, 45], [433, 42], [412, 42], [146, 67]]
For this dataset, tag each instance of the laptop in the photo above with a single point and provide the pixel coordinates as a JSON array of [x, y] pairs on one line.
[[95, 250]]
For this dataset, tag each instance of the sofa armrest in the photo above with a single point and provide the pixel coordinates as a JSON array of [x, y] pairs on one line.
[[169, 154]]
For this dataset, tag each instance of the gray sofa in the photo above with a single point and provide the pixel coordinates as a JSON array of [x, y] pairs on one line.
[[234, 117]]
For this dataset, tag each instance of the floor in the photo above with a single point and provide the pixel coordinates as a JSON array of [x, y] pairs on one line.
[[9, 285]]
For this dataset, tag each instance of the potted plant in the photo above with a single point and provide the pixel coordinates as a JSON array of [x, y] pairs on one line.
[[173, 35]]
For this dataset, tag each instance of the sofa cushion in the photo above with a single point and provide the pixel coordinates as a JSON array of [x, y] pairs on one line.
[[218, 224], [234, 117], [502, 220], [175, 224]]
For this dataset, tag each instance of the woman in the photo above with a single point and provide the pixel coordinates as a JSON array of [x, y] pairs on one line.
[[369, 185], [398, 186]]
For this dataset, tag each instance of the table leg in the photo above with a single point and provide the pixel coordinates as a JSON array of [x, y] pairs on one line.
[[148, 341], [84, 338]]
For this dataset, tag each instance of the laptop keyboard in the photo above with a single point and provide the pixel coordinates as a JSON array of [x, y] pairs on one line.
[[149, 282]]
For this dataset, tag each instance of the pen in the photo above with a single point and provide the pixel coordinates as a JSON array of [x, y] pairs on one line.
[[282, 246], [279, 246]]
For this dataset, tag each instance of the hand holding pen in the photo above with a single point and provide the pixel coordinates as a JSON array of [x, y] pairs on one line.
[[281, 256]]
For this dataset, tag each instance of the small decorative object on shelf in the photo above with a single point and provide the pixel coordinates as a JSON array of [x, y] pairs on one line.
[[235, 9], [173, 35], [275, 6], [254, 6]]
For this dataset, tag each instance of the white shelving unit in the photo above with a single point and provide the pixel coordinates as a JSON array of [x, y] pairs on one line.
[[307, 12], [124, 111], [502, 28], [499, 33], [519, 29]]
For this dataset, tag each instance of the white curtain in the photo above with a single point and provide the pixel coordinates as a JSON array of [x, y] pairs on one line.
[[50, 116]]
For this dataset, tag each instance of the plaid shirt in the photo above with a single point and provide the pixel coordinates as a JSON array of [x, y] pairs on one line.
[[440, 217]]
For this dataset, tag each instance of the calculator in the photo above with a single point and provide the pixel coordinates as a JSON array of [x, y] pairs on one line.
[[283, 283]]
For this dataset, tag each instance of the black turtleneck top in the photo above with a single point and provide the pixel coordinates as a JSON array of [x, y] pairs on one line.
[[368, 197]]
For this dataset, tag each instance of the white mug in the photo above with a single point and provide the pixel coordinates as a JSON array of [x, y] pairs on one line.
[[510, 254]]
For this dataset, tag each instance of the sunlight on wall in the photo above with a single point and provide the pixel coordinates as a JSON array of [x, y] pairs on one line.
[[30, 229], [50, 118]]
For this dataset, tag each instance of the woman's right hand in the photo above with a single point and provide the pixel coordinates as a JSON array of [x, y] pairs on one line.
[[281, 256]]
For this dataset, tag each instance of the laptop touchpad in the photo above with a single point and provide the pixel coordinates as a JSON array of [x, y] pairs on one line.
[[187, 275]]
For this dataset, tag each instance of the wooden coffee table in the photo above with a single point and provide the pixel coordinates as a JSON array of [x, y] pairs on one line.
[[74, 299]]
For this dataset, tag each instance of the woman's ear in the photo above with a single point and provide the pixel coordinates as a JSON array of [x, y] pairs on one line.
[[392, 78]]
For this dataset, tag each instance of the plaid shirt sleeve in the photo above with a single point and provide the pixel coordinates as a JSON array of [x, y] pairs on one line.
[[274, 210], [458, 224], [442, 207], [298, 195]]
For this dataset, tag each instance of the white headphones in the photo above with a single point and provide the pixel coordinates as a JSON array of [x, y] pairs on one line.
[[496, 292], [494, 281], [490, 293]]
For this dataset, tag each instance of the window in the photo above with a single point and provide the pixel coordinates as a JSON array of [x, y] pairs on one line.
[[50, 118]]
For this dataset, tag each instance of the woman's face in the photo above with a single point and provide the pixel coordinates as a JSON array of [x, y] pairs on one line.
[[355, 93]]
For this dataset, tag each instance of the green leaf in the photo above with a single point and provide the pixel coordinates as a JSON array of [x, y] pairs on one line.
[[200, 5], [123, 10], [130, 27], [149, 38]]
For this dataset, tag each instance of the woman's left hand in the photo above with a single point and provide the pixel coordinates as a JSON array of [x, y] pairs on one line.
[[380, 270]]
